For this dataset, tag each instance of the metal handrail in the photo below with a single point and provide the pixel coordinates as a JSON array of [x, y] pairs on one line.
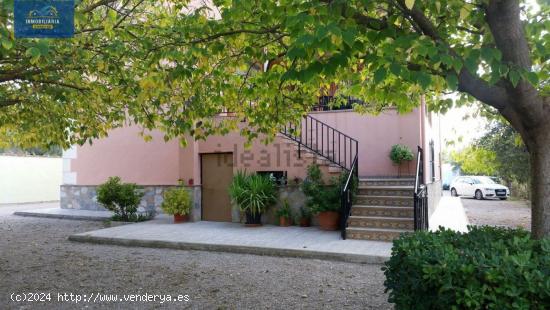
[[319, 137], [346, 197], [420, 195]]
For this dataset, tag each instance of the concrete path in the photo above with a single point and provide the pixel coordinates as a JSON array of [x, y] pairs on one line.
[[449, 214], [10, 208], [67, 214], [292, 241]]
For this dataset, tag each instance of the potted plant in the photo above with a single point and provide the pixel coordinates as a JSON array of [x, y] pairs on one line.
[[305, 217], [399, 154], [284, 214], [253, 194], [322, 200], [177, 202]]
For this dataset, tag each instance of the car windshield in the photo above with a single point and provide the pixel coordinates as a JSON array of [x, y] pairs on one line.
[[484, 180]]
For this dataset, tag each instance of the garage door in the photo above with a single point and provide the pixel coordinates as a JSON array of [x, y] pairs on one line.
[[217, 172]]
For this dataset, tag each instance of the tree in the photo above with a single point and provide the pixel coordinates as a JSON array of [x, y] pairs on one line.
[[511, 156], [173, 67], [475, 161]]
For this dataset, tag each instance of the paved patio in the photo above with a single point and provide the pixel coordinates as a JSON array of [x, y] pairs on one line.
[[292, 241], [310, 242], [67, 214]]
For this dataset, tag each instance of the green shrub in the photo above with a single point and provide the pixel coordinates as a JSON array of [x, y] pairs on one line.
[[487, 268], [320, 196], [284, 210], [121, 198], [400, 153], [252, 193], [177, 200]]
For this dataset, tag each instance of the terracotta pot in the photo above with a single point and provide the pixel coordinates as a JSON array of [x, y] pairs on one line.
[[329, 220], [284, 221], [179, 218], [305, 222], [253, 220]]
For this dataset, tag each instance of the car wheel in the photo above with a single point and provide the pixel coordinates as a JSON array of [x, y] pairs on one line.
[[503, 198], [453, 192], [479, 195]]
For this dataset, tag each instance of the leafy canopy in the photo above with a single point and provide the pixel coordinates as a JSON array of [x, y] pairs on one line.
[[475, 161], [172, 65]]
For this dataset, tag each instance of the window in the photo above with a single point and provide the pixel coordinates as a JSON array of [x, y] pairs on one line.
[[280, 177]]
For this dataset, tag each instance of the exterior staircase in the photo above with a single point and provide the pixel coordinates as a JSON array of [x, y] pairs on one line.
[[383, 209]]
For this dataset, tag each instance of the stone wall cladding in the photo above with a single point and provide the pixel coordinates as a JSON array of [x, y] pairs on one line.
[[84, 197]]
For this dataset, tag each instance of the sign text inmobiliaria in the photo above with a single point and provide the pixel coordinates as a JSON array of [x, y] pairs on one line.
[[44, 18]]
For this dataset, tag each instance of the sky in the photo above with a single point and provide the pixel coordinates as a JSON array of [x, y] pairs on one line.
[[456, 125]]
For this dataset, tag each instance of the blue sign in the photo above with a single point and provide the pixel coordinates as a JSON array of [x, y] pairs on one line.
[[44, 18]]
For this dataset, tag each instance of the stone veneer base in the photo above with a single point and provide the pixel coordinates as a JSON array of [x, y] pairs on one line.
[[84, 197]]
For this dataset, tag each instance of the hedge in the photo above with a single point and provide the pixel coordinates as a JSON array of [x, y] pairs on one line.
[[487, 268]]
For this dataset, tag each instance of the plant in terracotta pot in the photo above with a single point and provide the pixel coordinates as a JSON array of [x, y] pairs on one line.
[[253, 194], [322, 199], [284, 214], [178, 202], [400, 154], [304, 217]]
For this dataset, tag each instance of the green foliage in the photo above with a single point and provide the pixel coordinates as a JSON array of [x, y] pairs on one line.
[[284, 210], [475, 161], [121, 198], [252, 193], [305, 213], [320, 196], [163, 69], [487, 268], [511, 156], [135, 217], [400, 153], [177, 201]]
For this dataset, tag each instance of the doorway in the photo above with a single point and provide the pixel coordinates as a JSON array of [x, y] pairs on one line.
[[216, 175]]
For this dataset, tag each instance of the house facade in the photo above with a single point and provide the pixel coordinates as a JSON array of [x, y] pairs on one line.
[[330, 138]]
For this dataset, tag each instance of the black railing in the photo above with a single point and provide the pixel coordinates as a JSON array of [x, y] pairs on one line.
[[323, 140], [420, 194], [347, 194], [330, 103]]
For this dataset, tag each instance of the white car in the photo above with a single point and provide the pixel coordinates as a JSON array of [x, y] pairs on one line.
[[479, 187]]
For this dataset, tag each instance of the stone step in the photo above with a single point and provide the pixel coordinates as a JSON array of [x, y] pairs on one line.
[[381, 222], [359, 210], [378, 234], [390, 201], [373, 190], [386, 182]]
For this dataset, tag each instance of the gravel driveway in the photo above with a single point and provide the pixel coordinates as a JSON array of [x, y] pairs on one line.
[[35, 256], [498, 213]]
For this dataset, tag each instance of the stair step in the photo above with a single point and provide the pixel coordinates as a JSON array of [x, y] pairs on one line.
[[359, 210], [379, 234], [386, 182], [387, 190], [390, 201], [381, 222]]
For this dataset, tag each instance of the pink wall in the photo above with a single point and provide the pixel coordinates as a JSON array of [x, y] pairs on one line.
[[376, 135], [126, 154]]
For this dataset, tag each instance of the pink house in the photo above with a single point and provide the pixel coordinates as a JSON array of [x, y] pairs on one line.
[[331, 138]]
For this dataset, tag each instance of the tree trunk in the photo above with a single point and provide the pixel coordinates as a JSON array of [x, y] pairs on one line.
[[540, 182]]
